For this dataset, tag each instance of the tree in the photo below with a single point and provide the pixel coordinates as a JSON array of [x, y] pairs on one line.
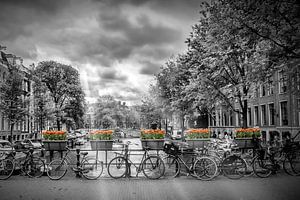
[[12, 102], [62, 83], [226, 59], [171, 83]]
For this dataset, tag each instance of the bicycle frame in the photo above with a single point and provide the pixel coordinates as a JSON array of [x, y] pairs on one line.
[[129, 162]]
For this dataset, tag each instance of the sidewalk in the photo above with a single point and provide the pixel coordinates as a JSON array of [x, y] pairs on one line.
[[276, 187]]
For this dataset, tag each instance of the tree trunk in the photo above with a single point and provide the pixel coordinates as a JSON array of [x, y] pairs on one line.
[[11, 131], [244, 114], [58, 123], [182, 125]]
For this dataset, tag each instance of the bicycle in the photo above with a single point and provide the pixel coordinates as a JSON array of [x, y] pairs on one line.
[[270, 160], [152, 166], [229, 161], [89, 168], [200, 167], [32, 166]]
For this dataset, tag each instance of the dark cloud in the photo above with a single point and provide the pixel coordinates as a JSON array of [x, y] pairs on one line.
[[149, 68], [97, 34], [112, 75]]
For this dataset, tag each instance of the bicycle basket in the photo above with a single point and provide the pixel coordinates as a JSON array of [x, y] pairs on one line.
[[262, 153], [170, 148]]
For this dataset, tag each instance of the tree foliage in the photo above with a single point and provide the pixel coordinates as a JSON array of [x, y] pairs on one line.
[[13, 104], [62, 83]]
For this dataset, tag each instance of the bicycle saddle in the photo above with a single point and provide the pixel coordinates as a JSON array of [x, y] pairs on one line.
[[84, 153]]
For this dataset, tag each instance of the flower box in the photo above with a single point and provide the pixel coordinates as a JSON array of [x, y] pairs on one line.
[[244, 143], [55, 145], [244, 136], [153, 144], [153, 138], [55, 140], [198, 143], [101, 144], [101, 139]]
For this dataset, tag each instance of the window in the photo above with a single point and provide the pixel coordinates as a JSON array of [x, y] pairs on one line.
[[270, 86], [225, 119], [2, 122], [237, 117], [256, 116], [263, 115], [282, 80], [284, 113], [298, 103], [230, 118], [249, 117], [262, 90], [256, 93], [213, 119], [271, 114], [296, 80]]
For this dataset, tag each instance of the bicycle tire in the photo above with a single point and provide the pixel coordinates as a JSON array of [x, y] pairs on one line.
[[249, 164], [153, 167], [92, 168], [117, 167], [218, 162], [287, 166], [205, 168], [34, 167], [57, 169], [262, 167], [295, 162], [172, 166], [7, 167], [234, 167]]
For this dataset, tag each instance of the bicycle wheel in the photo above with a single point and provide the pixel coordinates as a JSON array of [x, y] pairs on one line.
[[153, 167], [218, 161], [234, 167], [92, 168], [7, 167], [262, 167], [172, 166], [287, 166], [57, 169], [294, 158], [34, 167], [249, 162], [205, 168], [117, 167]]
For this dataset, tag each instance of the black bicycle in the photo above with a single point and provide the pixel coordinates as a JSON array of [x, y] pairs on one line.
[[270, 160], [152, 166], [32, 166], [90, 168], [181, 159]]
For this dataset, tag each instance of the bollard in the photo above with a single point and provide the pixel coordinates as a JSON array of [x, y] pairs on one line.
[[78, 162]]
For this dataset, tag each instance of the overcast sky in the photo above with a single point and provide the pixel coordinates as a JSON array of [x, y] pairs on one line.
[[117, 45]]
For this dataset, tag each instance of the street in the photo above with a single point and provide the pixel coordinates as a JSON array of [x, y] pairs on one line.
[[277, 187]]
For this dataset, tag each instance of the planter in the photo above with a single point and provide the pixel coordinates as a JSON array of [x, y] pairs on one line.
[[101, 144], [198, 143], [55, 145], [154, 144], [244, 143]]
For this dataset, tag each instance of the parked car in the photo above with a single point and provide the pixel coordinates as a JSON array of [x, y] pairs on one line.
[[32, 143], [28, 143], [5, 147], [79, 138]]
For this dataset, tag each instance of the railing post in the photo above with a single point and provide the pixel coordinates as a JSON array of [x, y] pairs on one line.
[[78, 162]]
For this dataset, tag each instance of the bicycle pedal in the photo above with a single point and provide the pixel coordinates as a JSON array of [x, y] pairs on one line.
[[76, 169]]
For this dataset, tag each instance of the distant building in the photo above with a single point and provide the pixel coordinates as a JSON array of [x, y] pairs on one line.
[[25, 127], [274, 108]]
